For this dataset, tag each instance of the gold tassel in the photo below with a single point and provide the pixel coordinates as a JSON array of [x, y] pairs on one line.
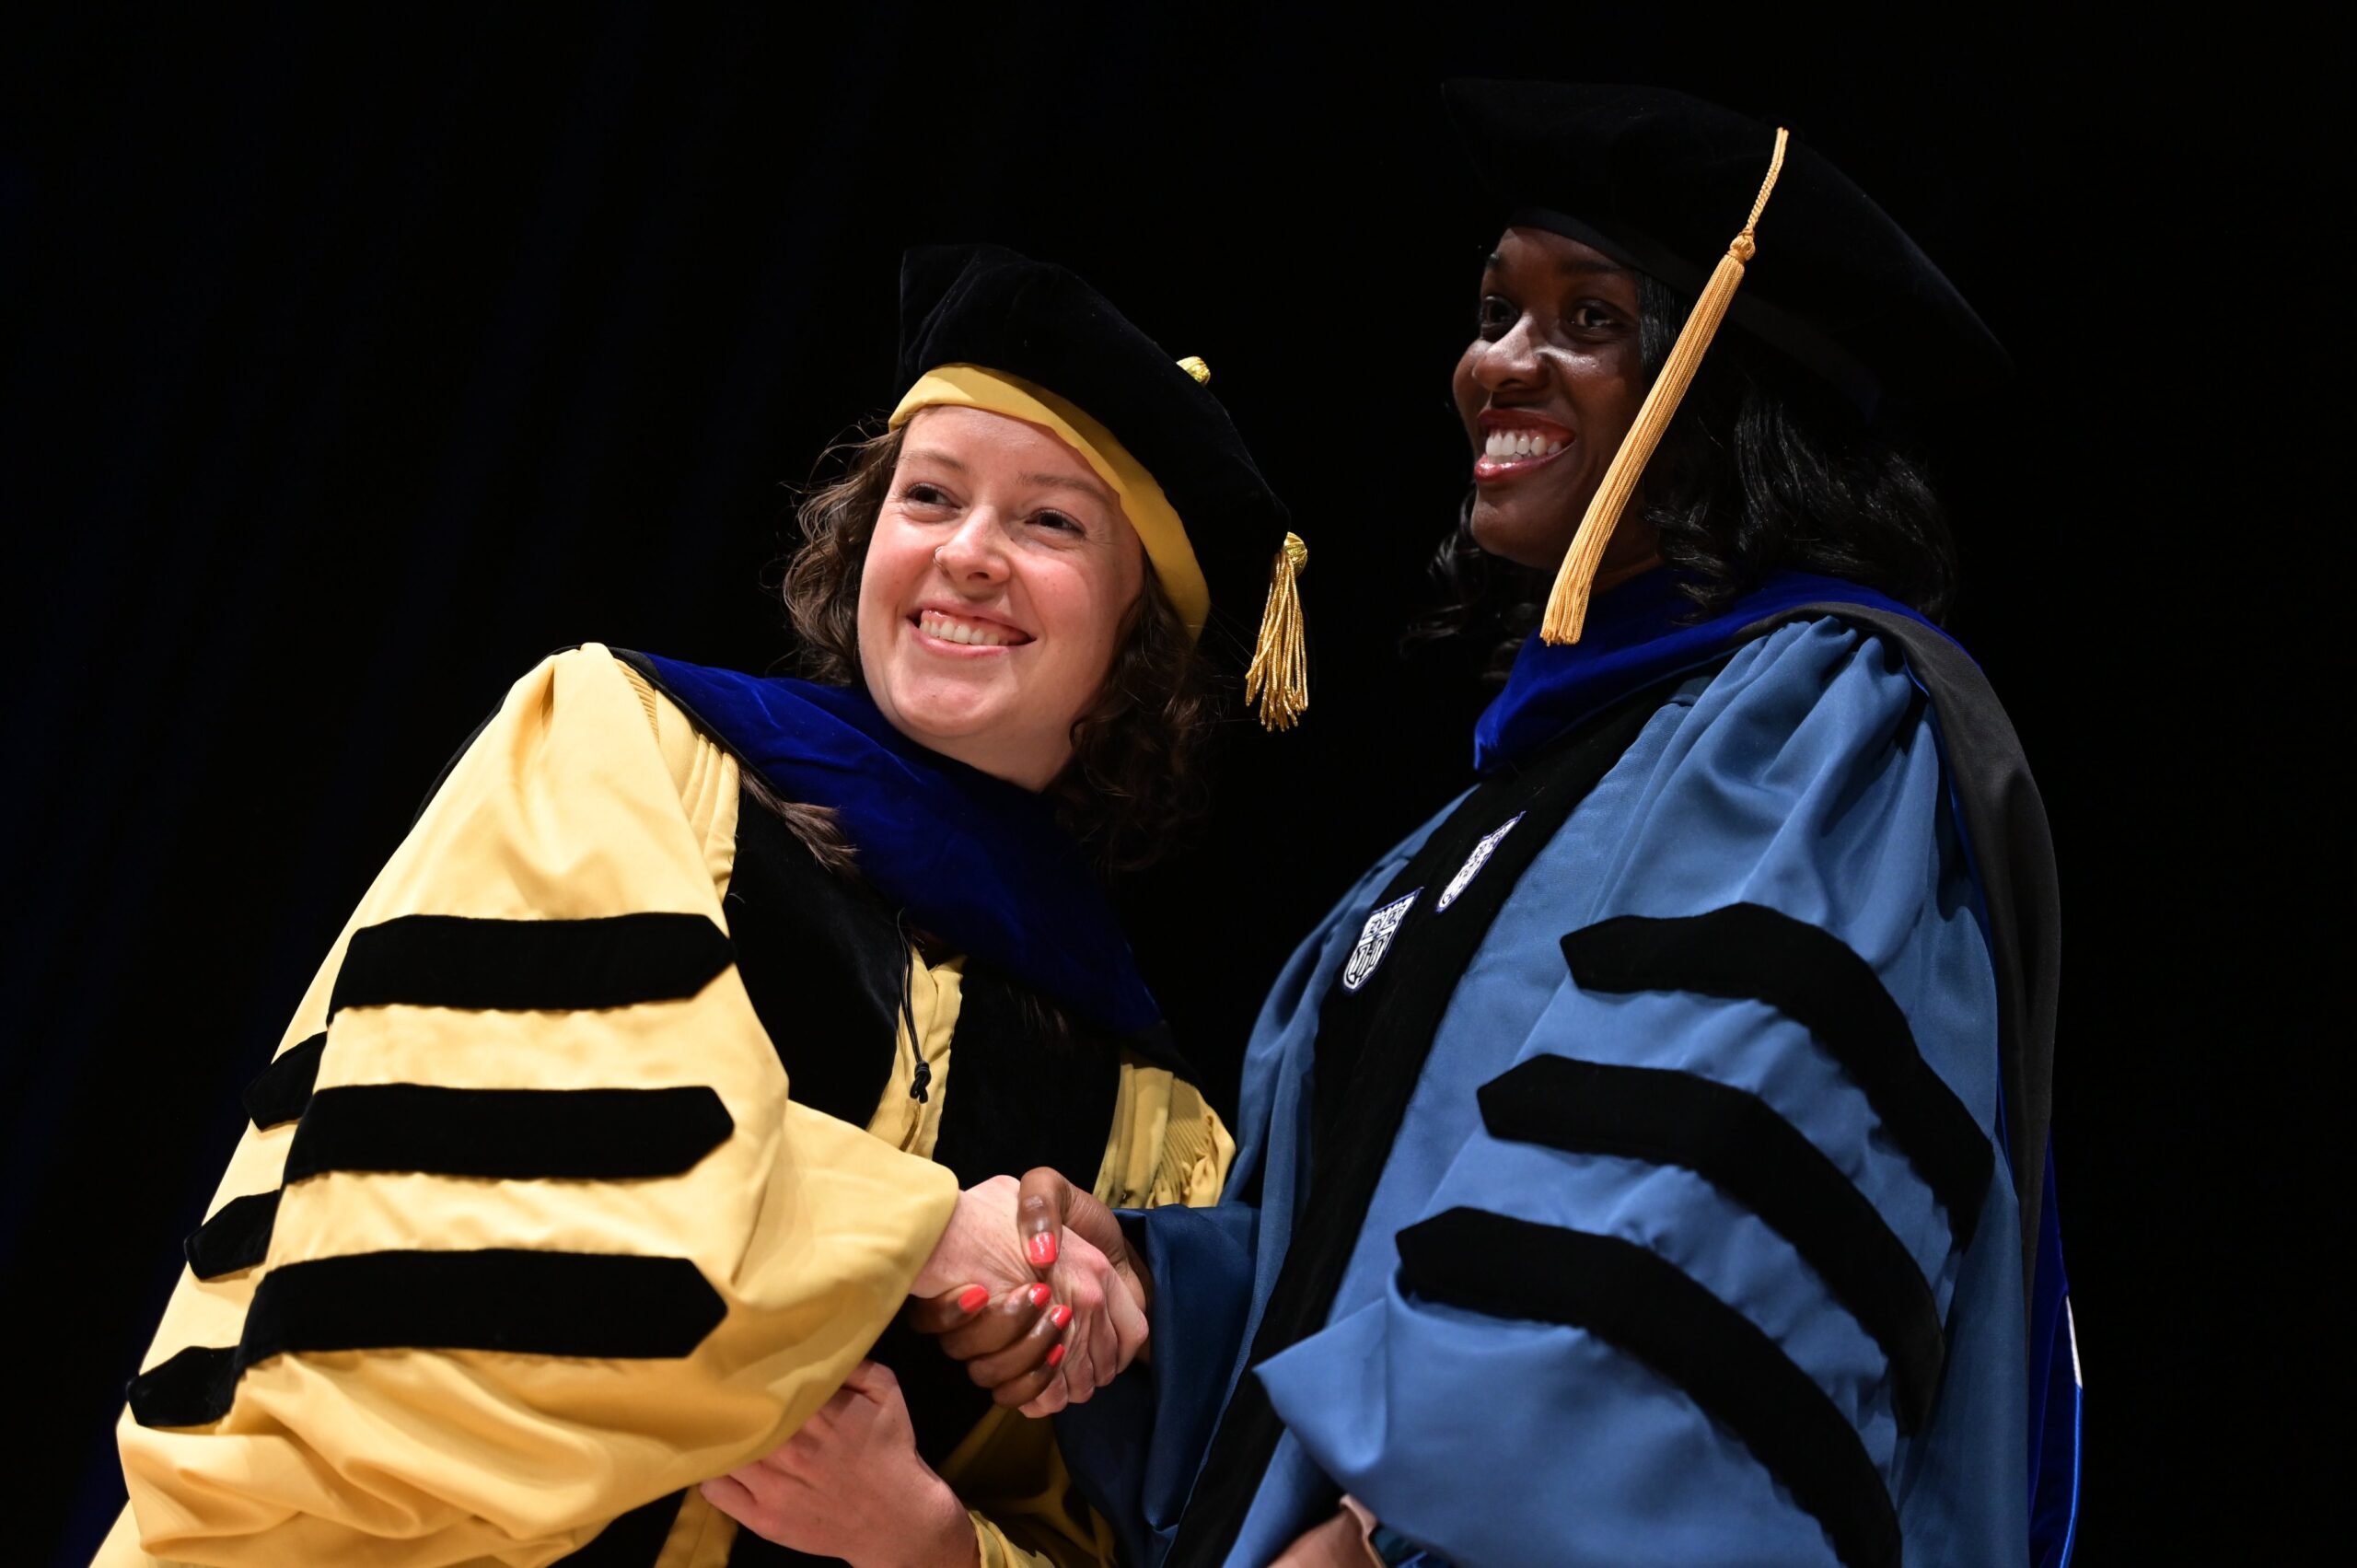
[[1567, 605], [1278, 677]]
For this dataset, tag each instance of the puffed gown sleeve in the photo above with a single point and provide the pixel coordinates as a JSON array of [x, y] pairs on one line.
[[1729, 1263], [525, 1232]]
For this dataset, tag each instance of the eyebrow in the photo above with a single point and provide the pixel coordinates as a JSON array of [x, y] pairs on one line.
[[1090, 488], [1060, 481], [1565, 265]]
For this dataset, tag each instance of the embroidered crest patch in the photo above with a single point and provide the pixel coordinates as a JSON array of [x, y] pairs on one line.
[[1473, 863], [1375, 939]]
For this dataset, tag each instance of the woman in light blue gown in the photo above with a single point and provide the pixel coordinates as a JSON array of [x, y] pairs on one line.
[[1645, 1162]]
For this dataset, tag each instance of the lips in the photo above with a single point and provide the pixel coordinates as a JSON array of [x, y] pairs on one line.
[[959, 630], [1516, 442]]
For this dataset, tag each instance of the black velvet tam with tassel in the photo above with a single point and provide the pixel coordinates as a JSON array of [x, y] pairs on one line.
[[1660, 182], [986, 306]]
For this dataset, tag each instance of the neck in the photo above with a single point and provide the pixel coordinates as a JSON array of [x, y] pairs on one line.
[[1028, 772], [1611, 575], [1030, 768]]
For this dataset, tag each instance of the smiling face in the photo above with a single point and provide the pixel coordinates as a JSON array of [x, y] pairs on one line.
[[997, 587], [1548, 386]]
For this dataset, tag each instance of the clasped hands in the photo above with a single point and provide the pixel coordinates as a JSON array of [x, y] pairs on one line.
[[1032, 1286]]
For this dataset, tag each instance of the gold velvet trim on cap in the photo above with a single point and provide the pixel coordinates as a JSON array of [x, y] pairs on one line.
[[1142, 502]]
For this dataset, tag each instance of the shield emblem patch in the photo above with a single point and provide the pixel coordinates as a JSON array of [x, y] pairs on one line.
[[1375, 939], [1474, 862]]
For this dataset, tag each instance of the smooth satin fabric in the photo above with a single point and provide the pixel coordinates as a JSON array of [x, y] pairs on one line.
[[578, 800], [1803, 775]]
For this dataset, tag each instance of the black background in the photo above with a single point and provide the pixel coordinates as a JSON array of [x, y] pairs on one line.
[[350, 365]]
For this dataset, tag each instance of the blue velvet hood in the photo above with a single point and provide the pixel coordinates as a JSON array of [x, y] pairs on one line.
[[978, 862], [1633, 638]]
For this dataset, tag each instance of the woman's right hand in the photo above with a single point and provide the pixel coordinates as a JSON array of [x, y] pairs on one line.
[[1038, 1346]]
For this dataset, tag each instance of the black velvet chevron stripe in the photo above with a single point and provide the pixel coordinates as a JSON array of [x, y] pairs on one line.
[[1756, 1157], [515, 966], [284, 1087], [1633, 1299], [524, 1135], [193, 1388], [582, 1304], [1746, 952], [235, 1238]]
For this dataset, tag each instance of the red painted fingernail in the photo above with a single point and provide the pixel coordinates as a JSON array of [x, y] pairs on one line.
[[1056, 1356], [1038, 1295], [1061, 1315], [1042, 1249], [971, 1300]]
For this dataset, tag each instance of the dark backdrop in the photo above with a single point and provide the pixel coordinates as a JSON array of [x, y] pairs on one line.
[[350, 365]]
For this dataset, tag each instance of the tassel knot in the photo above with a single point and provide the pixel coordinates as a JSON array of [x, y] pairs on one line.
[[1277, 681]]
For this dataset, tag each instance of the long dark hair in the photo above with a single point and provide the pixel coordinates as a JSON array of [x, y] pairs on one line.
[[1136, 774], [1764, 468]]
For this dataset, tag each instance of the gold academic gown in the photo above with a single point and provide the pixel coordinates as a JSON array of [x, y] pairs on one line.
[[563, 1244]]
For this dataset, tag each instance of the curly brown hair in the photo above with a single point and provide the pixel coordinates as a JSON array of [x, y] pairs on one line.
[[1136, 773]]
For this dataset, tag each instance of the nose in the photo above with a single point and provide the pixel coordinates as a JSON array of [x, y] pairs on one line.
[[974, 555], [1512, 363]]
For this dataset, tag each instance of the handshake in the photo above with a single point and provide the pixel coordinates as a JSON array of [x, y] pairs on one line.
[[1033, 1287], [1030, 1287]]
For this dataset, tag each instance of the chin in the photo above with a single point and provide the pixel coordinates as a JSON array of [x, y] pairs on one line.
[[949, 715], [1506, 532], [943, 701]]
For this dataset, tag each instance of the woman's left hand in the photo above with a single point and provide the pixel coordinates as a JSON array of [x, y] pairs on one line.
[[850, 1485]]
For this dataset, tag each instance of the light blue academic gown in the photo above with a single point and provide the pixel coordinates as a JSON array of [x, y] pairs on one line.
[[1802, 774]]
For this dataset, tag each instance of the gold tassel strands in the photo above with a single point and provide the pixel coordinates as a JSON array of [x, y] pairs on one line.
[[1567, 605], [1278, 677]]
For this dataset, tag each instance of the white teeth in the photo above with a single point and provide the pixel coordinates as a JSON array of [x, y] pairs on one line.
[[932, 623], [1505, 446]]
